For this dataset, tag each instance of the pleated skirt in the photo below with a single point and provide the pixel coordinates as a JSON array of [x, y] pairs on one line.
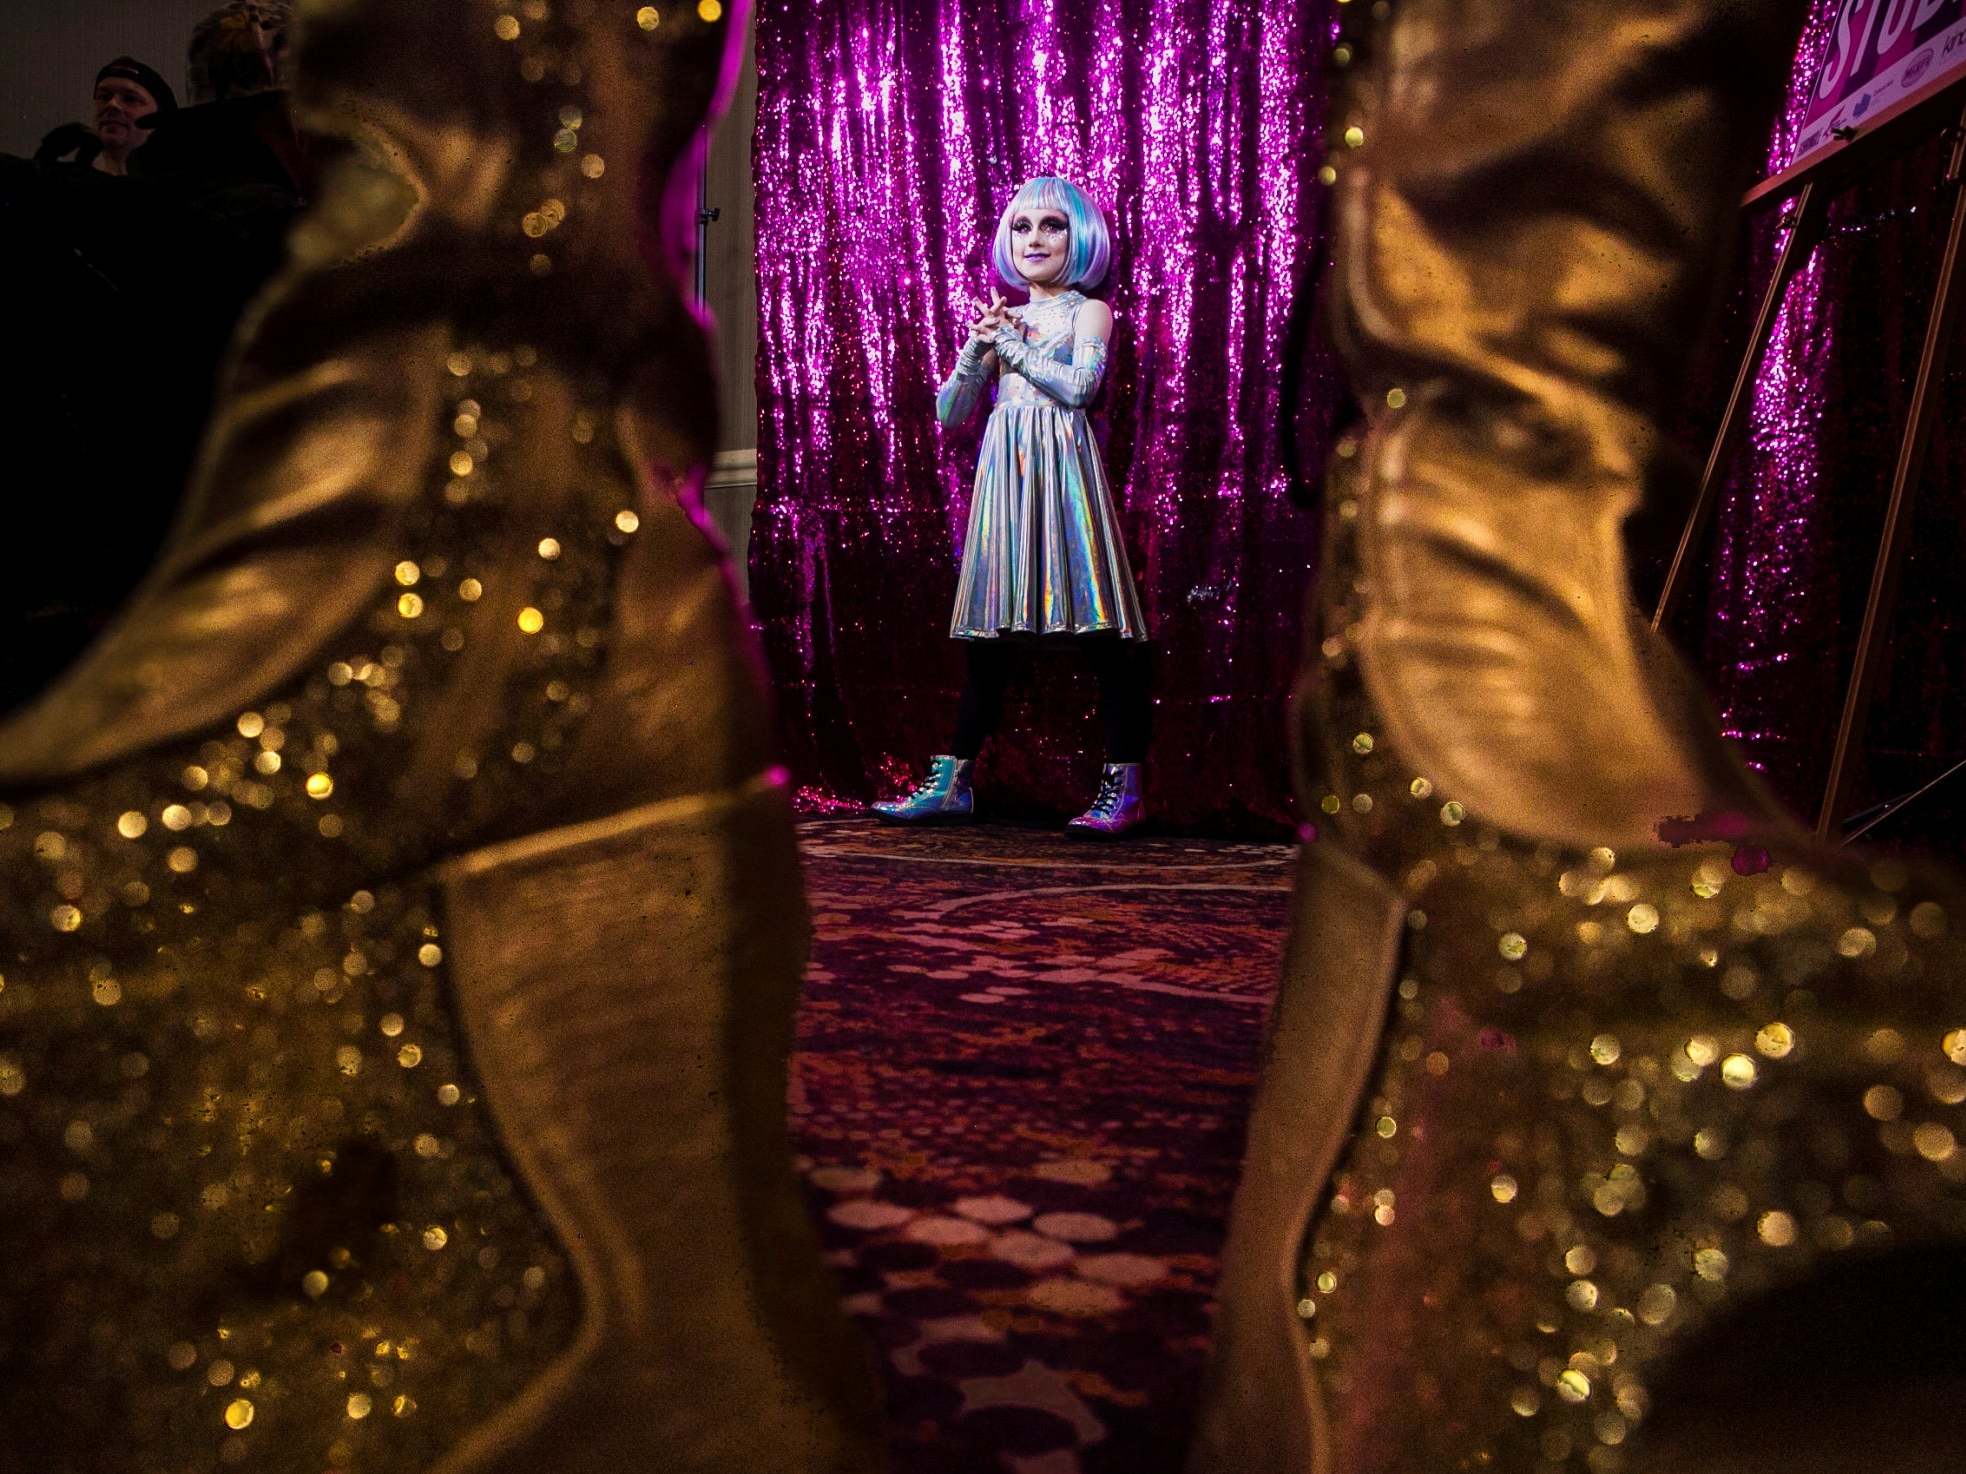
[[1044, 555]]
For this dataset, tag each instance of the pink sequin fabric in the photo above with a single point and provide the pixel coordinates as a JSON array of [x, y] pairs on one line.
[[890, 136], [1796, 531]]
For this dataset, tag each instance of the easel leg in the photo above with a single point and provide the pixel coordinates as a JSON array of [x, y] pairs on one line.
[[1805, 229], [1846, 762]]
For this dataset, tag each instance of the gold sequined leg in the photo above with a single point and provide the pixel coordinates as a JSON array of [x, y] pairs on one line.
[[1260, 1411], [398, 911], [645, 1106], [1524, 247], [1626, 1101], [1594, 1193]]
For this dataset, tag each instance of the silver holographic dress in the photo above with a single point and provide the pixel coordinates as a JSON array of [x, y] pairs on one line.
[[1044, 555]]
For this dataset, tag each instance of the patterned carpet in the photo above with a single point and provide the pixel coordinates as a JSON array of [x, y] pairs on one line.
[[1023, 1071]]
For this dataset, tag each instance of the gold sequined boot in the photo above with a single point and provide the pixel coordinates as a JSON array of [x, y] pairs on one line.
[[402, 920], [1554, 1115]]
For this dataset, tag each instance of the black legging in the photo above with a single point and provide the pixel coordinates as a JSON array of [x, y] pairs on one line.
[[1126, 708]]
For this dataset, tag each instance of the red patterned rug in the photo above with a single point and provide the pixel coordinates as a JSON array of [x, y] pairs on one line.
[[1024, 1066]]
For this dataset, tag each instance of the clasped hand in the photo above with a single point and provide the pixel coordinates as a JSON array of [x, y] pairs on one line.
[[994, 315]]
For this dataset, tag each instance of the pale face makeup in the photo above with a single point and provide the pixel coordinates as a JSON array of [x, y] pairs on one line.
[[1040, 241]]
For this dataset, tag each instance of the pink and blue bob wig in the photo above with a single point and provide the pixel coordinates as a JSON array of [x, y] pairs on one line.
[[1091, 248]]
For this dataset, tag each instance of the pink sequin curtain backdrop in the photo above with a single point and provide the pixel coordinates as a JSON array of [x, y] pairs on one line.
[[890, 135], [1796, 533]]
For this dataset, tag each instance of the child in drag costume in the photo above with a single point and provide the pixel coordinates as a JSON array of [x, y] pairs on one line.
[[1044, 563]]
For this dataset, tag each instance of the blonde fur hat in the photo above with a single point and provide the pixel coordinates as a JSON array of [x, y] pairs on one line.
[[239, 49]]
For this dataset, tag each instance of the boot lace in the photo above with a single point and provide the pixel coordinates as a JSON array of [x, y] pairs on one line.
[[928, 786], [1111, 786]]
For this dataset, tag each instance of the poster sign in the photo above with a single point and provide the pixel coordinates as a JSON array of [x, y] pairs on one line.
[[1881, 55]]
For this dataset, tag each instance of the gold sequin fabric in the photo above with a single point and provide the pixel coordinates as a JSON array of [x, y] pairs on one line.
[[252, 1212], [1618, 1096], [251, 1207]]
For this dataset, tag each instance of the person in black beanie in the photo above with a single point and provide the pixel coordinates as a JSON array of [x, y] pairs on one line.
[[121, 287], [129, 97], [95, 375], [127, 93]]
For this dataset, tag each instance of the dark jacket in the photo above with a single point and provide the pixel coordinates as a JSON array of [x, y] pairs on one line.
[[120, 296]]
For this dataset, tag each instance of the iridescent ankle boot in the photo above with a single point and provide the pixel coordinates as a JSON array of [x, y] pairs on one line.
[[1116, 809], [943, 797], [1554, 1115], [400, 907]]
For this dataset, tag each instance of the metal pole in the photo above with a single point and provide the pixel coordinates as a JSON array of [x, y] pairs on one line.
[[1805, 222], [1898, 805]]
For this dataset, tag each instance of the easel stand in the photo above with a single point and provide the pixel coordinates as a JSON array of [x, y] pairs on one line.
[[1811, 186]]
